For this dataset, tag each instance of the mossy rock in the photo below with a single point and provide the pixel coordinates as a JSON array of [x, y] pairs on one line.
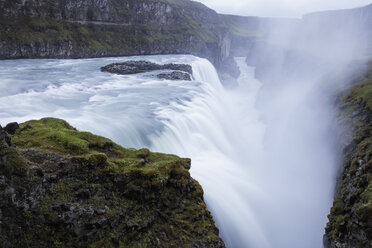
[[83, 190]]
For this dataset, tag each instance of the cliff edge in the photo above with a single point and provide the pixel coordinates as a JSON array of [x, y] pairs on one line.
[[350, 220], [63, 188]]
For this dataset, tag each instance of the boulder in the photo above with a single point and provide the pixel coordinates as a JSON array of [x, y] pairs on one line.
[[11, 128], [176, 75]]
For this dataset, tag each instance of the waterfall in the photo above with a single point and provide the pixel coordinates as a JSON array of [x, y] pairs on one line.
[[262, 193], [220, 131], [267, 169]]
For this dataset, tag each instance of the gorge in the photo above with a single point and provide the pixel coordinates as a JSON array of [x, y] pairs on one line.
[[275, 119]]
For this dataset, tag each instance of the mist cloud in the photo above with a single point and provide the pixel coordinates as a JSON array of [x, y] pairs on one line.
[[279, 8]]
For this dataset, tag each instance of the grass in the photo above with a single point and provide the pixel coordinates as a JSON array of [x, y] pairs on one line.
[[57, 136]]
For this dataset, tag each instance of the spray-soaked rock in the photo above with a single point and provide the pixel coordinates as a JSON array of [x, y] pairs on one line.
[[176, 75], [181, 71]]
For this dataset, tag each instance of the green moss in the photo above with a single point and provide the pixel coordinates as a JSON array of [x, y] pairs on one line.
[[58, 136], [55, 135], [97, 46], [12, 162], [338, 207], [364, 208]]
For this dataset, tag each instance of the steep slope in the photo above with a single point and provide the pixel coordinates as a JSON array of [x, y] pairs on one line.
[[350, 220], [63, 188]]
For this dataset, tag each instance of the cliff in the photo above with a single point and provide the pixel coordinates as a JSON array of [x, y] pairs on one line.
[[96, 28], [63, 188], [350, 220]]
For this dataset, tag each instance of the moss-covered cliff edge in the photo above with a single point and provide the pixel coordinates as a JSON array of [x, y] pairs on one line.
[[350, 220], [63, 188]]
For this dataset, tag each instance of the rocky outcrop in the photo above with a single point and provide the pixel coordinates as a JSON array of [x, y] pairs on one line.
[[63, 188], [140, 66], [350, 220], [175, 75], [179, 71]]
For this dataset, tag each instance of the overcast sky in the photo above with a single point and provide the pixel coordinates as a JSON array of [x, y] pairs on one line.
[[279, 8]]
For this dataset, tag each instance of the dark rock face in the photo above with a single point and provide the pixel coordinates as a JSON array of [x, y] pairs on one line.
[[176, 75], [4, 137], [11, 128], [181, 72], [350, 220], [82, 190], [85, 28], [131, 67]]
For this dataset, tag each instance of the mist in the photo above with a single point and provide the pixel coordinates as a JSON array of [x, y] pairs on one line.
[[302, 68]]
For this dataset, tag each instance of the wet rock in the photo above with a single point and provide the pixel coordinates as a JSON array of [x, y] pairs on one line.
[[176, 75], [53, 178], [178, 67], [83, 194], [133, 67], [2, 181], [11, 128], [101, 222], [101, 211]]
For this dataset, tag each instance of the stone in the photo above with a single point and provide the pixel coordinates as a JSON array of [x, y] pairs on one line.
[[11, 128], [4, 137], [181, 71], [53, 178], [101, 211], [83, 194], [131, 67], [176, 75]]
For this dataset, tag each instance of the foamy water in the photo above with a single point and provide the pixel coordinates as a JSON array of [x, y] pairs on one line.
[[267, 171]]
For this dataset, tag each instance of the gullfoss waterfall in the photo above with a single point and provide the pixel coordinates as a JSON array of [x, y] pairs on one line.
[[267, 171]]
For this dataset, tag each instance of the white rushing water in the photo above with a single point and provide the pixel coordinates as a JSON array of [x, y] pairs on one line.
[[267, 172]]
